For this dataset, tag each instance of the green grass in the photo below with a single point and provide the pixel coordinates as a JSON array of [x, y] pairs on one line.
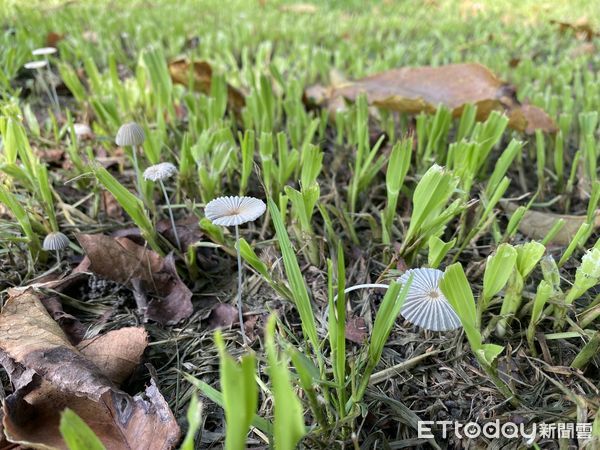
[[352, 199]]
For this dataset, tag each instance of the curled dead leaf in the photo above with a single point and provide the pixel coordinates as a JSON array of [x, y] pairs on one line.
[[49, 374], [121, 260], [422, 89], [537, 224], [182, 71]]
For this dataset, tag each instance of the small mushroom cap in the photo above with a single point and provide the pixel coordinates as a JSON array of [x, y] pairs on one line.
[[160, 171], [55, 241], [130, 134], [82, 131], [230, 211], [44, 51], [425, 304], [36, 64]]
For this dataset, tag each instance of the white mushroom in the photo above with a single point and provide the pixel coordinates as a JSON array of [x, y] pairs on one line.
[[234, 211]]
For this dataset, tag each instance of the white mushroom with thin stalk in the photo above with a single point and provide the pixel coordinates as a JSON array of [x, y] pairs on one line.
[[160, 172], [132, 135], [425, 305], [55, 242], [47, 51], [235, 211]]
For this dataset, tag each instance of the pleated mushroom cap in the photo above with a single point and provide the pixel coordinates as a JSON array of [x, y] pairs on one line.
[[425, 304], [231, 211], [130, 134], [160, 171], [55, 241]]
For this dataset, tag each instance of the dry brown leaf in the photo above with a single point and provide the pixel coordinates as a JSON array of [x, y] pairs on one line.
[[356, 329], [49, 375], [529, 118], [188, 230], [111, 206], [121, 260], [53, 38], [299, 8], [582, 28], [182, 69], [537, 224], [422, 89], [223, 315]]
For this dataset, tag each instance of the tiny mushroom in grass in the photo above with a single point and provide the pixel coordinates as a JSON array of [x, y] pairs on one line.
[[160, 172], [235, 211], [83, 131], [425, 304], [46, 51], [55, 242], [41, 80], [132, 135]]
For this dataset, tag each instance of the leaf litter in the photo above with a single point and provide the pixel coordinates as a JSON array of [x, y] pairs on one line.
[[123, 261], [50, 374]]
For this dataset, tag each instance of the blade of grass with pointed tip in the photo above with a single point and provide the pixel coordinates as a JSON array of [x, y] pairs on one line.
[[296, 281]]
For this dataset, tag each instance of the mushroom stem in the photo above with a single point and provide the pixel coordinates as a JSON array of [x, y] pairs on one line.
[[55, 95], [42, 81], [362, 286], [239, 300], [58, 257], [137, 171], [162, 186]]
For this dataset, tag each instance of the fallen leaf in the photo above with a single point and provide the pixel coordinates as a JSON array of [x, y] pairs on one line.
[[537, 224], [422, 89], [30, 337], [121, 260], [356, 329], [529, 118], [223, 315], [299, 8], [111, 206], [87, 383], [53, 38], [200, 73], [188, 230], [582, 28]]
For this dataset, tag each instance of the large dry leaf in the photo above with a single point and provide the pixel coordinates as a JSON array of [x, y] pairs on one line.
[[582, 28], [33, 339], [32, 412], [122, 260], [537, 224], [182, 71], [422, 89]]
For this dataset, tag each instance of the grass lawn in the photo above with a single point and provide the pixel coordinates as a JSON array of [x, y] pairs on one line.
[[413, 250]]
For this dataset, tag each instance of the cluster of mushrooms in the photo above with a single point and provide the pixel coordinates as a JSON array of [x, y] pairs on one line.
[[425, 304]]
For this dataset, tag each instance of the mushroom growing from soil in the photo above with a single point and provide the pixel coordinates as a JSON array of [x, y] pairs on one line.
[[55, 241], [235, 211], [160, 172], [132, 135], [46, 51], [425, 304]]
